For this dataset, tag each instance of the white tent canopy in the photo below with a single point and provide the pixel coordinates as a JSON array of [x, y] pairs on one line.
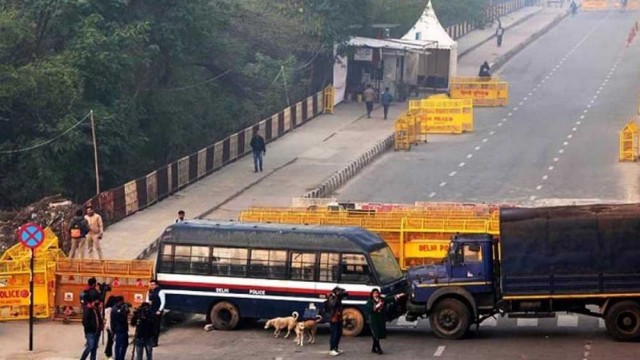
[[429, 33]]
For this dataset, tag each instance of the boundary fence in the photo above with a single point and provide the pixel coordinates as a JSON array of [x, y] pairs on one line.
[[491, 13], [117, 203]]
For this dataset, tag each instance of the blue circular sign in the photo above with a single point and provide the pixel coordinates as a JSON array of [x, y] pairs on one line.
[[31, 235]]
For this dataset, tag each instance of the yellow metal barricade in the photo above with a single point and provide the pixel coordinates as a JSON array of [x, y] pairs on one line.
[[14, 288], [484, 91], [403, 134], [589, 5], [444, 115], [329, 99], [629, 142]]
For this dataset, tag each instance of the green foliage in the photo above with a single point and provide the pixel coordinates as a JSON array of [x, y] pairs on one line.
[[164, 78]]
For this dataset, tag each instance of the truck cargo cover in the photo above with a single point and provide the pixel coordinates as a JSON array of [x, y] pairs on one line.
[[570, 249]]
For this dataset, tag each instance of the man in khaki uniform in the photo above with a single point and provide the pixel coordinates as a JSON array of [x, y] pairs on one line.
[[96, 229], [369, 98]]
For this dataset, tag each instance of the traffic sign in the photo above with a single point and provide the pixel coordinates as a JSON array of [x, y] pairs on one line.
[[31, 235]]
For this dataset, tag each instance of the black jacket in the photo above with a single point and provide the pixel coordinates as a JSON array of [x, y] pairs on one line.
[[257, 144], [91, 320], [79, 222], [144, 321], [119, 322]]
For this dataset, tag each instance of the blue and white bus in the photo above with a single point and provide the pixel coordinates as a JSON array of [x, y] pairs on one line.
[[231, 271]]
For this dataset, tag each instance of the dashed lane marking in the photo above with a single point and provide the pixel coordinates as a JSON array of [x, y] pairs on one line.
[[539, 187], [485, 140], [469, 156], [477, 148], [442, 184], [550, 168], [461, 164], [545, 177], [432, 194], [439, 351], [556, 159], [453, 173]]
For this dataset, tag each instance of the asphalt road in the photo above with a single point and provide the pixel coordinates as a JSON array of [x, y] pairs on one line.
[[571, 91]]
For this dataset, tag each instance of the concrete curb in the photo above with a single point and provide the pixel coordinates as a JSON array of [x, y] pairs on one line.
[[501, 60], [340, 177], [516, 23]]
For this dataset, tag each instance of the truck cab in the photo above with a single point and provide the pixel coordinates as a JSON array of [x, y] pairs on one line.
[[455, 293]]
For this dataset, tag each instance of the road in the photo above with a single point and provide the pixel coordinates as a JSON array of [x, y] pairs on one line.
[[571, 92]]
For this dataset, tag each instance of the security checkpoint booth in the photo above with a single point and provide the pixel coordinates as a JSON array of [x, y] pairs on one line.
[[440, 64], [380, 63]]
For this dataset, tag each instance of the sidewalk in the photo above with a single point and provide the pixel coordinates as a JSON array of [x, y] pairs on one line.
[[299, 161]]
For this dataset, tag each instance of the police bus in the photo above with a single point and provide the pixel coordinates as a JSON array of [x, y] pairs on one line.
[[231, 271]]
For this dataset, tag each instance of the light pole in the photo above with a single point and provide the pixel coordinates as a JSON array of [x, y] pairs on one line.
[[95, 152]]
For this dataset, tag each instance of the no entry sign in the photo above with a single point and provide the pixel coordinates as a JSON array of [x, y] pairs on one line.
[[31, 235]]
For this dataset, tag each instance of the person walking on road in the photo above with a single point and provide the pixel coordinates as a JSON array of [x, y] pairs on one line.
[[259, 149], [499, 33], [78, 230], [120, 327], [386, 100], [92, 324], [96, 230], [376, 310], [155, 297], [369, 98]]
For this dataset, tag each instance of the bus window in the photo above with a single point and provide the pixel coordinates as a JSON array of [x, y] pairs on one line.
[[270, 264], [167, 258], [229, 261], [329, 263], [181, 259], [385, 265], [200, 260], [302, 266], [355, 269]]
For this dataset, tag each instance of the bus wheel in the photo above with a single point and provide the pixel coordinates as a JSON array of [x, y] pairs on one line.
[[352, 322], [225, 316], [623, 321], [450, 319]]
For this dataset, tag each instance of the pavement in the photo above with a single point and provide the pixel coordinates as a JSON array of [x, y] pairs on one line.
[[298, 162], [295, 164]]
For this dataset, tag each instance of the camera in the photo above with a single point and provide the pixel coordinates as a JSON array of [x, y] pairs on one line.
[[104, 287], [340, 293]]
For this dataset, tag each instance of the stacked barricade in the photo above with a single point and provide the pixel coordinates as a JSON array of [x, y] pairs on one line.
[[15, 275], [416, 234], [629, 142], [128, 278], [484, 91], [405, 132], [329, 99]]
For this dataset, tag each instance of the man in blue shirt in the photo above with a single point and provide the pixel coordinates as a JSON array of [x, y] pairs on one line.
[[386, 98]]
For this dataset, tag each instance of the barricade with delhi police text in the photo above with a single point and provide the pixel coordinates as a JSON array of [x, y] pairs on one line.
[[484, 91]]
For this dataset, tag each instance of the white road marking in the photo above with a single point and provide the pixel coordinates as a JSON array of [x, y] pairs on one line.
[[550, 168], [589, 106], [592, 101], [585, 111], [568, 320], [530, 94], [499, 124], [560, 151], [509, 114], [439, 351], [531, 198], [526, 98], [477, 148], [569, 136], [520, 103], [492, 132], [556, 159], [574, 129], [527, 322], [598, 92], [453, 173], [485, 140], [601, 324], [581, 116], [504, 120], [431, 195], [578, 122], [515, 108], [461, 164], [545, 177], [565, 143], [539, 187], [469, 156], [442, 184]]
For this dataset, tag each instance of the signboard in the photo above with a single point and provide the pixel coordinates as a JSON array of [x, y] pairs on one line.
[[431, 249], [363, 54], [31, 235]]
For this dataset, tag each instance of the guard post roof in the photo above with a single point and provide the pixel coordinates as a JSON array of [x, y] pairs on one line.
[[276, 236]]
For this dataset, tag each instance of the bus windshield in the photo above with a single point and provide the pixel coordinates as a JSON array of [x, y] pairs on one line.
[[385, 265]]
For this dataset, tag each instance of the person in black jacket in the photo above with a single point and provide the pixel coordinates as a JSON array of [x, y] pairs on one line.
[[78, 230], [155, 297], [92, 324], [144, 321], [120, 327], [259, 148]]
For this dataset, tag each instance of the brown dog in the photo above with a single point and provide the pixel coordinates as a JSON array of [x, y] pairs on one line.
[[281, 323], [309, 327]]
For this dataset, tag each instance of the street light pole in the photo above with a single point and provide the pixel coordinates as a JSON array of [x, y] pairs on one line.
[[95, 152]]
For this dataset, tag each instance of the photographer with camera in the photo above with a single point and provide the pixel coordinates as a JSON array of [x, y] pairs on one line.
[[92, 324], [120, 327], [144, 321], [90, 293], [332, 308]]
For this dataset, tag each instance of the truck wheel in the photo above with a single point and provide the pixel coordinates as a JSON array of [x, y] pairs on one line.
[[623, 321], [352, 322], [224, 316], [450, 319]]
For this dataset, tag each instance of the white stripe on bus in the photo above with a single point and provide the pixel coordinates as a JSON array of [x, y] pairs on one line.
[[261, 297]]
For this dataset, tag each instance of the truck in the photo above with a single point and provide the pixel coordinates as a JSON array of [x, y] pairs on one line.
[[575, 259]]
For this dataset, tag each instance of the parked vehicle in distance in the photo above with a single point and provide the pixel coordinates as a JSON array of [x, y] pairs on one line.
[[547, 260], [232, 271]]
